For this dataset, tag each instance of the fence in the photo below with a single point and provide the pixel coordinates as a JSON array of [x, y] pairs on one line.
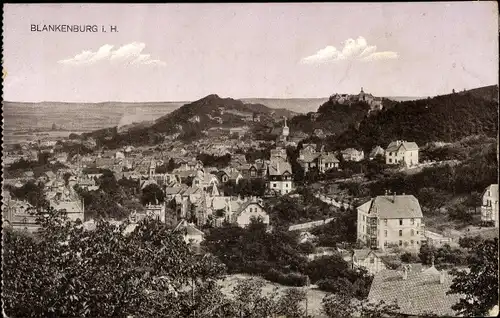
[[309, 225]]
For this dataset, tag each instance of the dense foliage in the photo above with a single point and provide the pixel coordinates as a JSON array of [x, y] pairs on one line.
[[478, 284], [441, 118], [328, 117], [254, 250], [65, 270]]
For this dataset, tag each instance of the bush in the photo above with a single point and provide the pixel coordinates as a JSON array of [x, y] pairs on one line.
[[408, 257], [290, 279], [336, 285]]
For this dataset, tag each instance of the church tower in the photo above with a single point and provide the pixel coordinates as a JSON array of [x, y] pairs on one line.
[[286, 131]]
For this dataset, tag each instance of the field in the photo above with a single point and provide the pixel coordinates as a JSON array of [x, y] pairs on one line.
[[314, 296]]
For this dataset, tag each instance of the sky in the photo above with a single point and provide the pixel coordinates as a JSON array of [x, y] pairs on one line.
[[183, 52]]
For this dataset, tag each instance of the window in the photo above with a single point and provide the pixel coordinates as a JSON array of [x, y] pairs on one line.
[[400, 243], [412, 221], [412, 242], [386, 243], [363, 217], [385, 233], [385, 222], [363, 228], [286, 185], [400, 232], [400, 221], [372, 260], [274, 185], [417, 242], [417, 232], [390, 160]]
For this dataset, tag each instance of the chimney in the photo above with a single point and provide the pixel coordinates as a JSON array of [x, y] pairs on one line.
[[442, 276]]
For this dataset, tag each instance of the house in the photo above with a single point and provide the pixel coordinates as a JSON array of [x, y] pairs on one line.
[[258, 169], [402, 152], [327, 161], [156, 210], [489, 207], [391, 220], [189, 232], [249, 210], [376, 151], [280, 177], [351, 154], [205, 180], [366, 258], [319, 133], [16, 213], [417, 290], [308, 160], [73, 206]]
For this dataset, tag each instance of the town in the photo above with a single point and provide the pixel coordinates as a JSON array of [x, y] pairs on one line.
[[292, 183]]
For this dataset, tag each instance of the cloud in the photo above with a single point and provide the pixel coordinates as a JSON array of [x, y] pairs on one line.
[[129, 54], [353, 50]]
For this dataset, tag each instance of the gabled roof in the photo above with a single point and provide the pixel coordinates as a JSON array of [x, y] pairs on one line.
[[190, 229], [308, 157], [173, 190], [494, 190], [376, 151], [328, 157], [246, 204], [393, 207], [279, 168], [395, 146], [420, 292]]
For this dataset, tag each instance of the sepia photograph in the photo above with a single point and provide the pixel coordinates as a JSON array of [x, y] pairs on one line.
[[280, 160]]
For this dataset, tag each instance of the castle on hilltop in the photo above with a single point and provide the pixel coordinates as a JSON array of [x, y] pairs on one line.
[[374, 102]]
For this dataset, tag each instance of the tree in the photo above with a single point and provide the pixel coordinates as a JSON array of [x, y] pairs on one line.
[[64, 270], [478, 285], [152, 194]]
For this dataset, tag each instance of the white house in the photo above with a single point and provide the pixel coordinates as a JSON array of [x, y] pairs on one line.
[[391, 220], [351, 154], [402, 151], [249, 210], [489, 208]]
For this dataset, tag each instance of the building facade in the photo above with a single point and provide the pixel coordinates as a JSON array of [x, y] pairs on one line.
[[402, 152], [391, 220], [489, 207]]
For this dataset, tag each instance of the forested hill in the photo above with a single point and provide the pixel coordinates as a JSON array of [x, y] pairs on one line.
[[332, 117], [442, 118]]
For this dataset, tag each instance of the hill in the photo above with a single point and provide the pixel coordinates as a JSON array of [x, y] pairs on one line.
[[442, 118], [191, 120], [488, 92], [332, 117], [299, 105]]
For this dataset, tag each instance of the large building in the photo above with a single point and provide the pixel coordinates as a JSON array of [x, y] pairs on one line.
[[402, 152], [489, 207], [391, 220]]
